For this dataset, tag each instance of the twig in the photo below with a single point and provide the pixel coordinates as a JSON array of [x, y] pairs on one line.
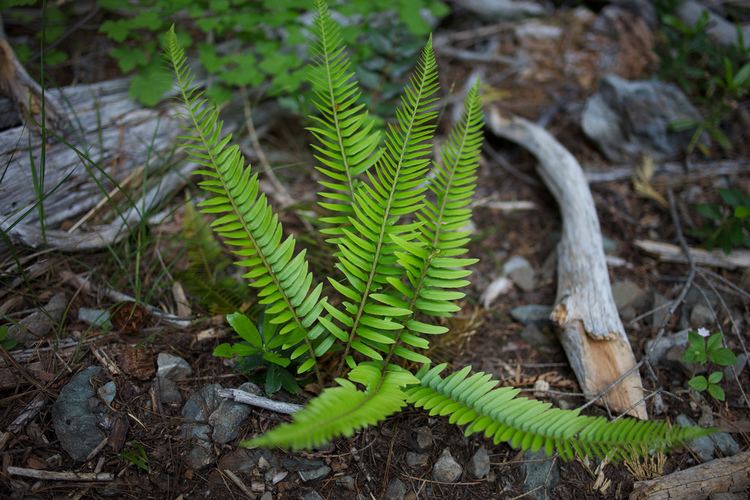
[[716, 258], [238, 482], [60, 476], [31, 410], [670, 171], [259, 401]]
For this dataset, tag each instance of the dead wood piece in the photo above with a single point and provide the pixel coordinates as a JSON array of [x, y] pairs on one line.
[[259, 401], [715, 258], [731, 474], [31, 410], [60, 476], [671, 172], [590, 329]]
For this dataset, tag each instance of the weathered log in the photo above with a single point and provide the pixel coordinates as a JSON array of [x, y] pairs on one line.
[[714, 258], [590, 329], [731, 474]]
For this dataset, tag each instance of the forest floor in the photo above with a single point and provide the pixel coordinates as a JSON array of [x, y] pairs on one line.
[[142, 418]]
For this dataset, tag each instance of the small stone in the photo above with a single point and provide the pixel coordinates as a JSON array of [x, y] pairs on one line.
[[266, 496], [542, 474], [657, 349], [416, 459], [228, 418], [239, 460], [257, 487], [196, 411], [312, 495], [739, 367], [534, 336], [171, 366], [422, 438], [201, 455], [98, 318], [107, 392], [40, 323], [396, 490], [499, 286], [531, 313], [73, 417], [347, 482], [263, 464], [313, 474], [609, 245], [629, 298], [446, 469], [725, 443], [520, 271], [702, 446], [479, 465], [701, 315], [168, 391], [659, 305]]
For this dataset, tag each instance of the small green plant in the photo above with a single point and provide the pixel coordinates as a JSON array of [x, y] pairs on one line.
[[397, 225], [717, 77], [726, 226], [5, 342], [704, 349], [136, 454], [261, 346]]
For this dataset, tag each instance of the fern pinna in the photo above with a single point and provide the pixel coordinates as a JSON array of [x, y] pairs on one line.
[[398, 225]]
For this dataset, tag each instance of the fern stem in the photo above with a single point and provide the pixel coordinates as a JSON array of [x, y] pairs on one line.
[[209, 150]]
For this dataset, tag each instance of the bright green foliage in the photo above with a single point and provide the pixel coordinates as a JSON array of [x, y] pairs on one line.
[[703, 349], [475, 401], [246, 221], [347, 141], [342, 410], [400, 250]]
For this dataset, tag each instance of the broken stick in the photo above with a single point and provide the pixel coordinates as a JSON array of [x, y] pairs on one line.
[[251, 399], [60, 476], [590, 329]]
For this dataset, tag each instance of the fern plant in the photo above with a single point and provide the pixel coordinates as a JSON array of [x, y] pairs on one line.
[[397, 225]]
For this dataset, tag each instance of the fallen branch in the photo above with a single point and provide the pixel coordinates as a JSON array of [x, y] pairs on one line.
[[259, 401], [671, 172], [715, 258], [31, 411], [731, 474], [60, 476], [590, 329]]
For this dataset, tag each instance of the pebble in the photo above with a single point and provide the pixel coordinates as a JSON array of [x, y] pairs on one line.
[[542, 474], [239, 460], [347, 482], [196, 411], [396, 490], [629, 298], [422, 438], [40, 323], [531, 313], [725, 443], [171, 366], [416, 459], [479, 465], [168, 391], [739, 367], [73, 417], [312, 495], [499, 286], [534, 336], [446, 469], [313, 474], [702, 446], [228, 418], [98, 318], [266, 496], [107, 392], [701, 315], [659, 315], [520, 271], [657, 349]]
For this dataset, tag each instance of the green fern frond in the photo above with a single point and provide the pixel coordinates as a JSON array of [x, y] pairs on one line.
[[395, 189], [245, 219], [475, 401], [347, 144], [342, 410]]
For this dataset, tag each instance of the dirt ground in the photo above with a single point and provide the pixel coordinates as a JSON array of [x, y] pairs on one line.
[[145, 448]]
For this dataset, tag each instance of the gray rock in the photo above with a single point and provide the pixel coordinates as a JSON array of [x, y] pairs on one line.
[[297, 464], [168, 391], [705, 297], [727, 496], [312, 495], [609, 245], [396, 490], [479, 465], [629, 298], [542, 474], [39, 324], [531, 313], [495, 10], [739, 367], [446, 469], [416, 459], [347, 482], [239, 460], [73, 417], [725, 443], [630, 119], [196, 412], [266, 496], [701, 315], [657, 349], [702, 446], [520, 271], [660, 307], [228, 418], [98, 318], [171, 366], [534, 336], [107, 392], [313, 474], [422, 438]]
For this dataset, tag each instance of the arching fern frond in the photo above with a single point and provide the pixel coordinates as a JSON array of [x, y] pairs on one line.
[[347, 144], [342, 410], [475, 401], [366, 253], [246, 221]]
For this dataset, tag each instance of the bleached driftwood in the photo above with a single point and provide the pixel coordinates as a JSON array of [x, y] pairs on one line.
[[590, 329], [731, 474], [714, 258], [247, 398]]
